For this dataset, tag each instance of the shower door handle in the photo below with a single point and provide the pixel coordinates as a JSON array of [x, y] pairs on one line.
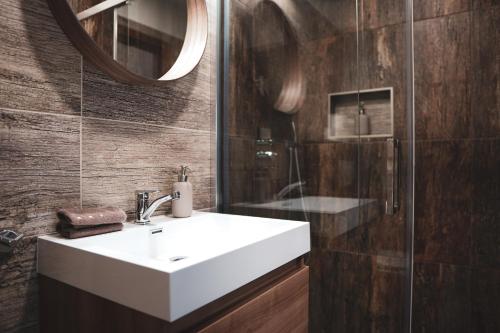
[[392, 176]]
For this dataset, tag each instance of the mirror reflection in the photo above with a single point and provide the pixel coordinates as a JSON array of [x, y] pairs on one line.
[[145, 36], [276, 51]]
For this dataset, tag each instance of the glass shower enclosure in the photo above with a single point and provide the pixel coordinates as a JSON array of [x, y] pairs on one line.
[[316, 125]]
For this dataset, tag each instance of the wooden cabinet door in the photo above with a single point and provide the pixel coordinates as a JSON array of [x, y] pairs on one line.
[[283, 308]]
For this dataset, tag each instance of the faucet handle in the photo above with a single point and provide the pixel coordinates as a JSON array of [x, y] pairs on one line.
[[144, 194], [146, 191], [142, 202]]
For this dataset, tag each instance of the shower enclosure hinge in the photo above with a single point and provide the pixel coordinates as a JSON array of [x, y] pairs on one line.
[[392, 176]]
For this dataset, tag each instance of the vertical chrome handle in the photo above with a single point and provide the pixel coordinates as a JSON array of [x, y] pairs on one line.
[[392, 176], [142, 202]]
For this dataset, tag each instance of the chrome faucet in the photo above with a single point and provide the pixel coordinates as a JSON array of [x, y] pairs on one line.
[[144, 210], [287, 189]]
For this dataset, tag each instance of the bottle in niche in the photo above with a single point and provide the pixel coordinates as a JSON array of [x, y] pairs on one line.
[[183, 207], [363, 120]]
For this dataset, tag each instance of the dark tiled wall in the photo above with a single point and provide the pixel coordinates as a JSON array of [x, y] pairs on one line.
[[70, 135], [457, 253], [251, 179], [457, 202], [357, 268]]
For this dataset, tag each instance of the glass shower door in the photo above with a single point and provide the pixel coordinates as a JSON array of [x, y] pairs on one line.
[[314, 128]]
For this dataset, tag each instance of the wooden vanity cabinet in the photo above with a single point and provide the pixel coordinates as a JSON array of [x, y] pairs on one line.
[[276, 302]]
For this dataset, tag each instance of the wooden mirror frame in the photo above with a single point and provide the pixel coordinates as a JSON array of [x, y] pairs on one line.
[[291, 96], [189, 57]]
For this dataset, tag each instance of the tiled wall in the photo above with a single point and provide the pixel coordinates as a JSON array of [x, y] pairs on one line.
[[457, 200], [71, 135], [357, 274], [357, 277], [260, 178]]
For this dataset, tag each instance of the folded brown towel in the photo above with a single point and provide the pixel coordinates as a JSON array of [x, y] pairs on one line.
[[77, 222], [68, 231], [87, 217]]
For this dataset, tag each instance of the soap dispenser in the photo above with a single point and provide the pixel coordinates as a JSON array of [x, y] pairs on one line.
[[363, 120], [184, 206]]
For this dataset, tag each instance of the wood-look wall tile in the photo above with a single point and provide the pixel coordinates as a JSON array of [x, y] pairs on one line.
[[342, 231], [338, 69], [366, 229], [319, 19], [242, 104], [425, 9], [382, 57], [382, 63], [212, 49], [241, 171], [241, 187], [39, 164], [443, 201], [384, 234], [40, 153], [332, 66], [329, 66], [443, 78], [485, 293], [119, 158], [381, 13], [181, 103], [20, 313], [330, 17], [485, 39], [441, 298], [39, 68], [355, 293], [484, 3], [242, 153], [330, 169], [485, 203]]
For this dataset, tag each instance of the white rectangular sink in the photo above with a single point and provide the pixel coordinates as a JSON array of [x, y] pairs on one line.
[[139, 267]]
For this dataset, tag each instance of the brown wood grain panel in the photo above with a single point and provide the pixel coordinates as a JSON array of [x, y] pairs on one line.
[[40, 152], [356, 292], [425, 9], [39, 168], [283, 308], [36, 60], [183, 103], [485, 291], [442, 298], [443, 78], [119, 158], [485, 226], [443, 201], [485, 48]]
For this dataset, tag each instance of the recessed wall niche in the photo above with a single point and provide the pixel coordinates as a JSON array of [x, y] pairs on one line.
[[365, 114]]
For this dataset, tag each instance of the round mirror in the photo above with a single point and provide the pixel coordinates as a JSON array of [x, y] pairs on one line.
[[137, 40], [276, 52]]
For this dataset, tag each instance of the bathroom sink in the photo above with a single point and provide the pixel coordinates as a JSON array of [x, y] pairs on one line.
[[174, 266]]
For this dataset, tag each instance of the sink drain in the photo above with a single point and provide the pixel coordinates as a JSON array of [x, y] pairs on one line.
[[177, 258]]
